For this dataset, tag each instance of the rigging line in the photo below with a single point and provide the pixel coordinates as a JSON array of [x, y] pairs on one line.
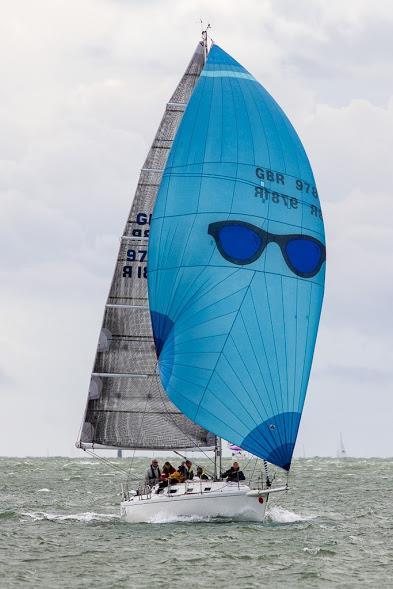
[[169, 415], [253, 470], [252, 457], [104, 460], [196, 463]]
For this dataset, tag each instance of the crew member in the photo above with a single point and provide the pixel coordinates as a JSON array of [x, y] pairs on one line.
[[186, 470], [234, 474], [153, 473], [201, 474]]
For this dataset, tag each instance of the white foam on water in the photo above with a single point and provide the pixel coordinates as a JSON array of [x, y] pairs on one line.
[[82, 461], [89, 516], [315, 550], [44, 490], [280, 515], [162, 518]]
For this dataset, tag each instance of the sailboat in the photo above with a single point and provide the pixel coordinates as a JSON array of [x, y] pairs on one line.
[[341, 451], [216, 339]]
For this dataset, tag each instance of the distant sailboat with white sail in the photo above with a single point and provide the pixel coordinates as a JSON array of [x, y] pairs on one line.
[[341, 451], [219, 343]]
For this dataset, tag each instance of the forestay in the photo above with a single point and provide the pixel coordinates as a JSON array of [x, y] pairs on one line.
[[237, 264], [127, 406]]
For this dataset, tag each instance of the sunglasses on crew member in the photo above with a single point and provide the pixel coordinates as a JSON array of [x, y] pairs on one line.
[[242, 243]]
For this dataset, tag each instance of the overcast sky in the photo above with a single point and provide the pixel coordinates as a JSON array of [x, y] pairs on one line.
[[83, 87]]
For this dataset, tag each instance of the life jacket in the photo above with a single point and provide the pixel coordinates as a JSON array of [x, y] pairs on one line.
[[152, 475], [177, 476]]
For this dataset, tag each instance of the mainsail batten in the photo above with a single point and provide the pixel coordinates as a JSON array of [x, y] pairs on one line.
[[127, 406], [236, 265]]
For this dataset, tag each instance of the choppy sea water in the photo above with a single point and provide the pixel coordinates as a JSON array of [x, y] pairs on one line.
[[60, 527]]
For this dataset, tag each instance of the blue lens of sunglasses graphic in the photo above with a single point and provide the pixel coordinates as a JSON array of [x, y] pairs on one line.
[[304, 255], [239, 242]]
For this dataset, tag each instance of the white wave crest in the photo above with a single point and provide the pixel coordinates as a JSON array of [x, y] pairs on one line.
[[314, 550], [89, 516], [162, 518], [82, 462], [280, 515]]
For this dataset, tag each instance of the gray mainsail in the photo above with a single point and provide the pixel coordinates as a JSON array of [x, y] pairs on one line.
[[127, 406]]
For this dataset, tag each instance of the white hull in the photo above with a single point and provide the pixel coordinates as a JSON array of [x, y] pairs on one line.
[[222, 500]]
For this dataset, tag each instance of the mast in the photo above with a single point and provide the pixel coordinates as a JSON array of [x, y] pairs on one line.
[[217, 458]]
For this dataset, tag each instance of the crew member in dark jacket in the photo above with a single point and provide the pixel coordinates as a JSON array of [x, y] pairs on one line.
[[186, 470], [234, 474]]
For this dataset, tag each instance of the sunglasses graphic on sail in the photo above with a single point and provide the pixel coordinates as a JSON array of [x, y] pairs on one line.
[[242, 243]]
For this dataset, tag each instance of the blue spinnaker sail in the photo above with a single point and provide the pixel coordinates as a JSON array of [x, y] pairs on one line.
[[237, 264]]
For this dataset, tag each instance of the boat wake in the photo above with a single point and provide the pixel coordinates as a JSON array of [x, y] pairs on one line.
[[279, 515], [275, 514], [87, 517], [162, 518]]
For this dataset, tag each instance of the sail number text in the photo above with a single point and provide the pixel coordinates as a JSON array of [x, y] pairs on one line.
[[135, 267], [290, 202], [280, 178]]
